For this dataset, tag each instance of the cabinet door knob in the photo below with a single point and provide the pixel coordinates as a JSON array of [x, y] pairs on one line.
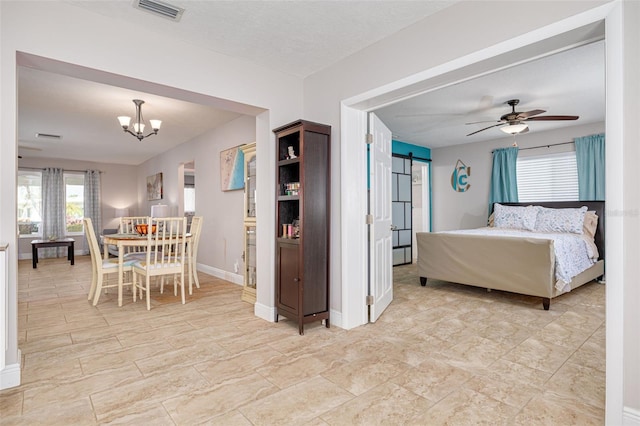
[[295, 280]]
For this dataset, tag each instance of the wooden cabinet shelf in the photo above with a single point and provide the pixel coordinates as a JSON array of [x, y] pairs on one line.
[[302, 204]]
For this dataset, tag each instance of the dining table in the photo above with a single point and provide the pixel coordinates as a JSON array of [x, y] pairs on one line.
[[121, 241]]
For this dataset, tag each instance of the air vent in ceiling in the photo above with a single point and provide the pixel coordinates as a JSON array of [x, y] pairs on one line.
[[160, 8], [48, 136]]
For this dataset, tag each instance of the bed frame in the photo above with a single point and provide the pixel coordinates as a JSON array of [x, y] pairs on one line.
[[525, 266]]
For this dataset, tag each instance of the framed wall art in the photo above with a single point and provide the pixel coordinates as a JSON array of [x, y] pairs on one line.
[[231, 169], [154, 187]]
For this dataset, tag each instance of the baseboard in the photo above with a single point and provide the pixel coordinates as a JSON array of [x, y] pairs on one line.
[[335, 318], [265, 312], [10, 375], [219, 273], [630, 417]]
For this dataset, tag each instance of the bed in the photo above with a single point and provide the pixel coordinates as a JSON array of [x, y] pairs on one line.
[[527, 264]]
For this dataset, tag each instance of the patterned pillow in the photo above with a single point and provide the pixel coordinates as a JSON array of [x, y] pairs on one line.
[[561, 220], [590, 224], [515, 217]]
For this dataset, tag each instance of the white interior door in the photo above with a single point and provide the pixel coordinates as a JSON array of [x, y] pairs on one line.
[[380, 254]]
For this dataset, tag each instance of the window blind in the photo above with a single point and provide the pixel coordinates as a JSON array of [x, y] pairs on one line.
[[551, 177]]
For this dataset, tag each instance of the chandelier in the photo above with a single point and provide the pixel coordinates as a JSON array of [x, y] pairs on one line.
[[138, 125]]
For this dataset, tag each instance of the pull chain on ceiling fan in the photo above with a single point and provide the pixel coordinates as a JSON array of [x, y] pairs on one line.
[[514, 122]]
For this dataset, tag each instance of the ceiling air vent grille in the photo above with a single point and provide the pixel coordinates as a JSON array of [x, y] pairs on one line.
[[160, 8]]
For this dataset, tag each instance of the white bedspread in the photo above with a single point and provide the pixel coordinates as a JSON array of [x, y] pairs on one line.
[[574, 253]]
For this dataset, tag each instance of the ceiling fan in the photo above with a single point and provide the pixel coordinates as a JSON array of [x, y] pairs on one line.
[[515, 122]]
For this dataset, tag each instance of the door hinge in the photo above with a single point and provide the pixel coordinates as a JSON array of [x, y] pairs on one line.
[[369, 219], [369, 300], [369, 138]]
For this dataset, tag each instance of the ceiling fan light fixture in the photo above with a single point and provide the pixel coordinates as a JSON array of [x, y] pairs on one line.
[[138, 124], [513, 129]]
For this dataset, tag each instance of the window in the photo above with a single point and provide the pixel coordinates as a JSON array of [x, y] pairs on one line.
[[190, 199], [548, 178], [74, 196], [29, 203]]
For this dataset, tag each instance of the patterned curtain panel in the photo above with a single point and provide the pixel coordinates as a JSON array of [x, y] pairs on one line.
[[92, 201], [54, 209], [590, 159], [504, 183]]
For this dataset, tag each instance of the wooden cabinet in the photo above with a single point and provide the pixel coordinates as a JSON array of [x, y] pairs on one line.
[[250, 276], [302, 222]]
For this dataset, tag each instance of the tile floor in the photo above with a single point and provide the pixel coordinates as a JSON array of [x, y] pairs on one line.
[[444, 354]]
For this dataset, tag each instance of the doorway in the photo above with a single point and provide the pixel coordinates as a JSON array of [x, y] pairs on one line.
[[189, 191], [564, 36]]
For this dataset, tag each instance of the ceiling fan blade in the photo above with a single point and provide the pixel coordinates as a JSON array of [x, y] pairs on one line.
[[486, 121], [527, 114], [478, 131], [553, 117]]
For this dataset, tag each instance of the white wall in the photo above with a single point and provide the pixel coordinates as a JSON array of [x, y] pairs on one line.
[[221, 244], [629, 165], [463, 210]]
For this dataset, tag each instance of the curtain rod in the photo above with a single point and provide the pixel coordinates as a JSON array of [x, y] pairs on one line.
[[66, 170], [542, 146]]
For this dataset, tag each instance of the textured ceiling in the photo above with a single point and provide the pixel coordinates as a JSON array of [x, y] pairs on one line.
[[297, 37]]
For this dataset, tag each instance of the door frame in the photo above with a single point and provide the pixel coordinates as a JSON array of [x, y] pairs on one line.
[[354, 172]]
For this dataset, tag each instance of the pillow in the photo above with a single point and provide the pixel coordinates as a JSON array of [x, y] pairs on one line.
[[515, 217], [590, 224], [561, 220], [491, 220]]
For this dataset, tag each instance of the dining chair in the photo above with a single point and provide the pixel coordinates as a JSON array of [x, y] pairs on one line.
[[128, 223], [195, 231], [101, 268], [128, 226], [165, 255]]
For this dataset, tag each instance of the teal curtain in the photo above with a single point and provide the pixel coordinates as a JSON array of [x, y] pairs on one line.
[[590, 159], [504, 183]]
